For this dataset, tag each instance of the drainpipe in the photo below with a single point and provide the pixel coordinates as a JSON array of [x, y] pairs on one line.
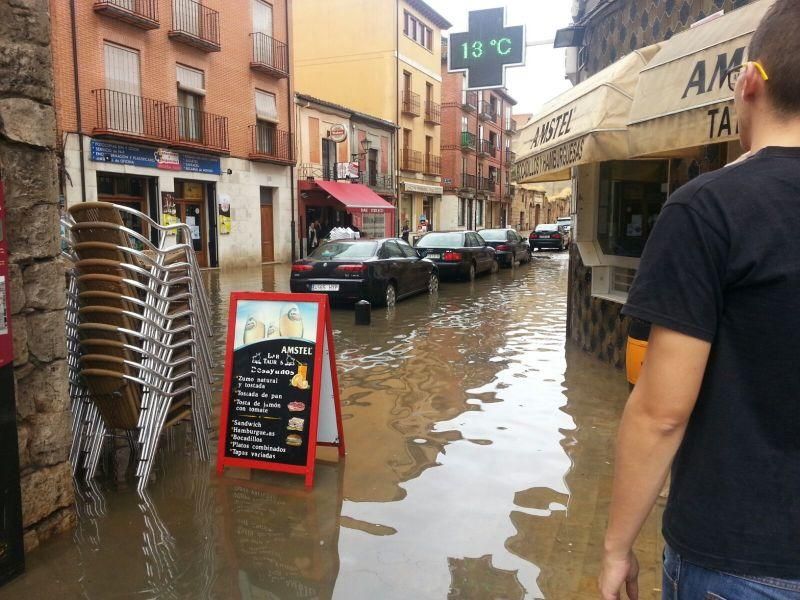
[[74, 25], [290, 98], [397, 130]]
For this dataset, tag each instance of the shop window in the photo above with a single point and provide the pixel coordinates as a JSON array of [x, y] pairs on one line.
[[373, 225], [632, 194], [427, 211]]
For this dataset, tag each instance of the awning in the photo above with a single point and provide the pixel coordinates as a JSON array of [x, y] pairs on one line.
[[355, 196], [682, 99], [585, 124]]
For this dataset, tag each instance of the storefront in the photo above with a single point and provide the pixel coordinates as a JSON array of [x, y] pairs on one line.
[[336, 204], [420, 207], [221, 198]]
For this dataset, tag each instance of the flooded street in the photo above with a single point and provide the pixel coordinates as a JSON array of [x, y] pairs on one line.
[[478, 467]]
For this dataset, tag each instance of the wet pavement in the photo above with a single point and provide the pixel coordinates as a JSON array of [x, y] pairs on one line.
[[478, 467]]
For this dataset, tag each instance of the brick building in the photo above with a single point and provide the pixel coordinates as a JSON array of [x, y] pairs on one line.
[[181, 109], [477, 129]]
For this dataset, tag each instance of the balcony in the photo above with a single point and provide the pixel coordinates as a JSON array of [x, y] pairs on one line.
[[270, 56], [487, 148], [511, 126], [487, 185], [433, 165], [469, 181], [199, 129], [469, 101], [469, 141], [135, 118], [270, 144], [488, 113], [411, 103], [508, 191], [196, 25], [139, 13], [376, 181], [433, 113], [510, 157], [411, 160]]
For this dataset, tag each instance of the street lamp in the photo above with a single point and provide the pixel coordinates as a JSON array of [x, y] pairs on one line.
[[366, 145]]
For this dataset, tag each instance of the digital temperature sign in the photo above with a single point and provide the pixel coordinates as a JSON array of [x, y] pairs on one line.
[[487, 49]]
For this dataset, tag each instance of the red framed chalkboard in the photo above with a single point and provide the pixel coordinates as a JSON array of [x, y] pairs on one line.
[[280, 395]]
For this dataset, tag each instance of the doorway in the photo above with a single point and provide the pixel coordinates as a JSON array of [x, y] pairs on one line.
[[267, 226], [190, 208]]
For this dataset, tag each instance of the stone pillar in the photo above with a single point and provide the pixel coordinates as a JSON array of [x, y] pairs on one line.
[[29, 170]]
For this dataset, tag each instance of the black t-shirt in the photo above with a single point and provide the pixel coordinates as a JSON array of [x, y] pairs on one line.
[[723, 265]]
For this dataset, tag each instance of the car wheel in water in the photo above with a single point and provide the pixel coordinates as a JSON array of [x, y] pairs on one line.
[[390, 297], [433, 283], [495, 266], [472, 272]]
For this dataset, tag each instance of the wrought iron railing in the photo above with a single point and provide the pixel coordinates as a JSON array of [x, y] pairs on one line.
[[487, 148], [411, 103], [411, 160], [129, 115], [269, 54], [433, 112], [195, 23], [198, 127], [511, 125], [433, 164], [378, 181], [143, 13], [511, 156], [469, 181], [488, 112], [487, 185], [271, 143], [469, 141]]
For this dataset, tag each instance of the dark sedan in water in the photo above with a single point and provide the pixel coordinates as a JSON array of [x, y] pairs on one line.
[[548, 236], [381, 271], [508, 244], [458, 253]]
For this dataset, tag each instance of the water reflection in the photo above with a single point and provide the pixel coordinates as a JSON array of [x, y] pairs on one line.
[[478, 463]]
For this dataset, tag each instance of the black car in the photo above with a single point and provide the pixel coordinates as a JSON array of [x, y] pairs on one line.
[[381, 271], [509, 246], [458, 253], [548, 236]]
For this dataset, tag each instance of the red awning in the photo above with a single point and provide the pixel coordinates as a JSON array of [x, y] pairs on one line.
[[354, 195]]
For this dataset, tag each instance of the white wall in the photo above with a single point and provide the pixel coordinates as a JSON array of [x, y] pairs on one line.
[[448, 220]]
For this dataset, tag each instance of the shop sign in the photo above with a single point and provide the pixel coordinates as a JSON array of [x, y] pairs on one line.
[[281, 393], [153, 158], [561, 157], [192, 190], [337, 133]]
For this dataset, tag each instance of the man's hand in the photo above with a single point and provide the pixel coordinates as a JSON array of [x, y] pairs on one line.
[[616, 572]]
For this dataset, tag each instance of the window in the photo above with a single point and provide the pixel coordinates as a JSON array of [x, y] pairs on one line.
[[493, 139], [632, 194], [406, 81], [462, 212], [123, 102], [480, 132], [428, 93], [263, 48], [266, 106], [465, 124], [373, 225], [419, 32], [407, 250], [391, 250], [190, 116], [479, 215]]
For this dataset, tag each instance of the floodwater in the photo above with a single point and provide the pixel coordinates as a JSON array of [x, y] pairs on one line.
[[478, 467]]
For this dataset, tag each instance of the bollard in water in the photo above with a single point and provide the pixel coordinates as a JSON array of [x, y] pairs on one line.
[[363, 312]]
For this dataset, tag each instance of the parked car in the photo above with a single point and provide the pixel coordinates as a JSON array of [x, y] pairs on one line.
[[509, 246], [548, 236], [566, 223], [382, 271], [462, 254]]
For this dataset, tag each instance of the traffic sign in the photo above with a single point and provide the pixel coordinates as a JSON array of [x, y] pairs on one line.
[[487, 49]]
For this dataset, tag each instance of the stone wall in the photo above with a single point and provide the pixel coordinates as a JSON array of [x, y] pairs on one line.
[[625, 25], [29, 169]]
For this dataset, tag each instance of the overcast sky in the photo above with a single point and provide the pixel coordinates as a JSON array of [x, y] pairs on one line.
[[542, 77]]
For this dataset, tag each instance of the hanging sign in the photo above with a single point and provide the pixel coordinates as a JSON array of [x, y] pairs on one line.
[[338, 133], [280, 396], [487, 49]]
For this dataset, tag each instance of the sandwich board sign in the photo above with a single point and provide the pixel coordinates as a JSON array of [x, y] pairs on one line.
[[280, 395], [487, 49]]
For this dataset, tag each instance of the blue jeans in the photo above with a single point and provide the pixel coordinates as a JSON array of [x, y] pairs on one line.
[[686, 581]]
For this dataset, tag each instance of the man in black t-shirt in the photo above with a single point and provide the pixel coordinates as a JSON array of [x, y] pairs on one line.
[[719, 394]]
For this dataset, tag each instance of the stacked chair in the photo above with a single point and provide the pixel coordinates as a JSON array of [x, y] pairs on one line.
[[138, 329]]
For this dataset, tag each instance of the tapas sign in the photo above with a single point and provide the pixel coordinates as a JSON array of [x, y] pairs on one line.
[[280, 396]]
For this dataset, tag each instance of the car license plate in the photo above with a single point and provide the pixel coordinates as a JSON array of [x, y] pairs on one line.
[[434, 256], [544, 237], [324, 287]]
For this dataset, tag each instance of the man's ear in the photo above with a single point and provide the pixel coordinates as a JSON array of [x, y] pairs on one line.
[[752, 83]]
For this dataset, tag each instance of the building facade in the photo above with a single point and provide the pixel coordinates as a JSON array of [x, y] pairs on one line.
[[389, 69], [611, 229], [477, 130], [337, 144], [182, 110]]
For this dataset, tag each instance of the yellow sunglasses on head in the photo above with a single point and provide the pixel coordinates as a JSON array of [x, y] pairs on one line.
[[733, 73]]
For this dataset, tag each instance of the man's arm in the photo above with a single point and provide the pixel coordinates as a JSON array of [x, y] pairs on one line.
[[652, 428]]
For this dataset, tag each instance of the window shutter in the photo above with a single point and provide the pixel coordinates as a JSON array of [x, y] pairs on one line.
[[266, 106], [191, 80]]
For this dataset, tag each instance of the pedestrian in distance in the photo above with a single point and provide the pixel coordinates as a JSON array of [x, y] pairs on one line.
[[313, 236], [718, 398], [405, 232]]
